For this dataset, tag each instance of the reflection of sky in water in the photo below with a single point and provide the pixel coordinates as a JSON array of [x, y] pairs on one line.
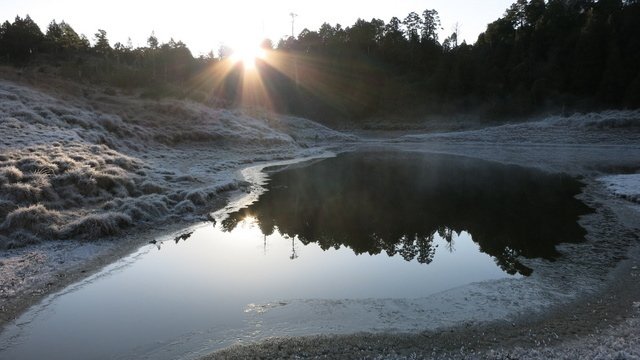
[[191, 296], [197, 291], [397, 203]]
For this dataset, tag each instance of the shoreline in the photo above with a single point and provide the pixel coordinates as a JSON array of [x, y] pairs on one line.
[[611, 308], [155, 175], [508, 333], [585, 146], [615, 309], [616, 301], [113, 249]]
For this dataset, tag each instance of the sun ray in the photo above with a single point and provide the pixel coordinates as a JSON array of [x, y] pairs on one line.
[[245, 78]]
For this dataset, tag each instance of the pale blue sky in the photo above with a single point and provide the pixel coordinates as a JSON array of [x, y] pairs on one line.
[[205, 25]]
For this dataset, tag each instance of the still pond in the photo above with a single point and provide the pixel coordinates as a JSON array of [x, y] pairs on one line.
[[374, 224]]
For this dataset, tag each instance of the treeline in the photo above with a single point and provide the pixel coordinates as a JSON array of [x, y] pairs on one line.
[[22, 43], [556, 54], [571, 54]]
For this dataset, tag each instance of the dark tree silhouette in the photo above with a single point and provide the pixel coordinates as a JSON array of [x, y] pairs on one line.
[[102, 46], [62, 40], [413, 24], [345, 201], [539, 56], [20, 40], [430, 25]]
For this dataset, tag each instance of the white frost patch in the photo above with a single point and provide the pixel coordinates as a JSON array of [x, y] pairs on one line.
[[86, 167], [579, 144], [28, 268], [478, 302], [608, 127], [471, 304], [625, 186]]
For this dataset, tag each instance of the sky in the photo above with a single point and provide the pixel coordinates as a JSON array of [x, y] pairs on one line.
[[206, 25]]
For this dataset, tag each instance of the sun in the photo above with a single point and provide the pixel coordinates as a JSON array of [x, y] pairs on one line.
[[247, 54]]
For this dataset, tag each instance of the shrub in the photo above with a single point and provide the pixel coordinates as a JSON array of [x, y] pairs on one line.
[[96, 225], [36, 219], [185, 206], [10, 174]]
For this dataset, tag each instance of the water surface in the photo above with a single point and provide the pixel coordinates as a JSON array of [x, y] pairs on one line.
[[398, 202], [361, 225]]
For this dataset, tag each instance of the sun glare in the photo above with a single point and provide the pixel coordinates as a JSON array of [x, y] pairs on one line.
[[247, 54]]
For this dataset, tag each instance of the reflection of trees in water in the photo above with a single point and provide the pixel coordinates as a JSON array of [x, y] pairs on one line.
[[398, 203]]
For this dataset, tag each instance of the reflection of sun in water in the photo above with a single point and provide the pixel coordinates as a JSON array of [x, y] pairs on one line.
[[249, 221], [247, 54]]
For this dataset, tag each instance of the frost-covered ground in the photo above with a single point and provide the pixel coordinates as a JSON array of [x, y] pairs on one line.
[[80, 168], [85, 169], [626, 186]]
